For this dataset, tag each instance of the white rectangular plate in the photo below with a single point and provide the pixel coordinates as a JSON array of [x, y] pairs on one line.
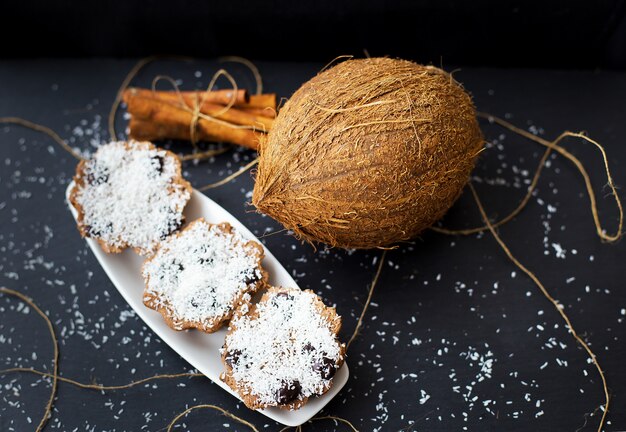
[[201, 350]]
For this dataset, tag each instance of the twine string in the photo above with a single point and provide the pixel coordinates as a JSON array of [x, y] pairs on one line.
[[120, 92], [558, 306], [230, 177], [52, 134], [204, 154], [55, 356], [326, 417], [195, 109], [213, 407], [126, 82], [368, 300], [233, 83], [554, 146], [43, 129], [581, 168], [247, 63], [101, 387], [522, 204]]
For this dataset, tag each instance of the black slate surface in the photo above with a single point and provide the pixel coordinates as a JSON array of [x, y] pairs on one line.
[[456, 338]]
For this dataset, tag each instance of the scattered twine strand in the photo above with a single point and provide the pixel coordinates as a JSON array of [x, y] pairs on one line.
[[247, 63], [52, 134], [550, 146], [336, 419], [126, 82], [230, 177], [369, 298], [43, 129], [55, 356], [204, 154], [101, 387], [579, 165], [213, 407], [558, 306]]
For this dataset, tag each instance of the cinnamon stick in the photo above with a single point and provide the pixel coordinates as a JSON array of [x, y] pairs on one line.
[[144, 130], [267, 100], [221, 97], [262, 112], [232, 115], [154, 119]]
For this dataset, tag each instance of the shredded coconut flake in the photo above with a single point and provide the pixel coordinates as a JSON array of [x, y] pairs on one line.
[[130, 196], [201, 274], [284, 340]]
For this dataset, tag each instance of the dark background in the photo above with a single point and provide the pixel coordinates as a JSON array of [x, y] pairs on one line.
[[532, 33], [456, 338], [449, 313]]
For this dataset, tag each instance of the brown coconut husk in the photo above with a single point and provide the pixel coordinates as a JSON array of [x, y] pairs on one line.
[[368, 153]]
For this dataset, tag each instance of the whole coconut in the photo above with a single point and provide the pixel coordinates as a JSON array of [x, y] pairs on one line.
[[368, 153]]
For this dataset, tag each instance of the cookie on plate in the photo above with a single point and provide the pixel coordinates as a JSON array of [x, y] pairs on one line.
[[130, 194], [282, 350], [198, 277]]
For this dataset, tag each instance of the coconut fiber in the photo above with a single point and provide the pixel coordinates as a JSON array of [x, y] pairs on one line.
[[368, 153]]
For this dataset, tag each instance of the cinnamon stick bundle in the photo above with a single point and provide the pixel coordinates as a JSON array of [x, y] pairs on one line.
[[169, 114], [263, 104], [154, 119], [190, 99]]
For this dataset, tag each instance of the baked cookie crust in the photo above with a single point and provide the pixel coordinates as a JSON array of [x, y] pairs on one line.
[[282, 350], [130, 194], [199, 276]]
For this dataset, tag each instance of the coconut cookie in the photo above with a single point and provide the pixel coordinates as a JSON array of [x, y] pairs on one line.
[[130, 194], [282, 350], [198, 277]]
